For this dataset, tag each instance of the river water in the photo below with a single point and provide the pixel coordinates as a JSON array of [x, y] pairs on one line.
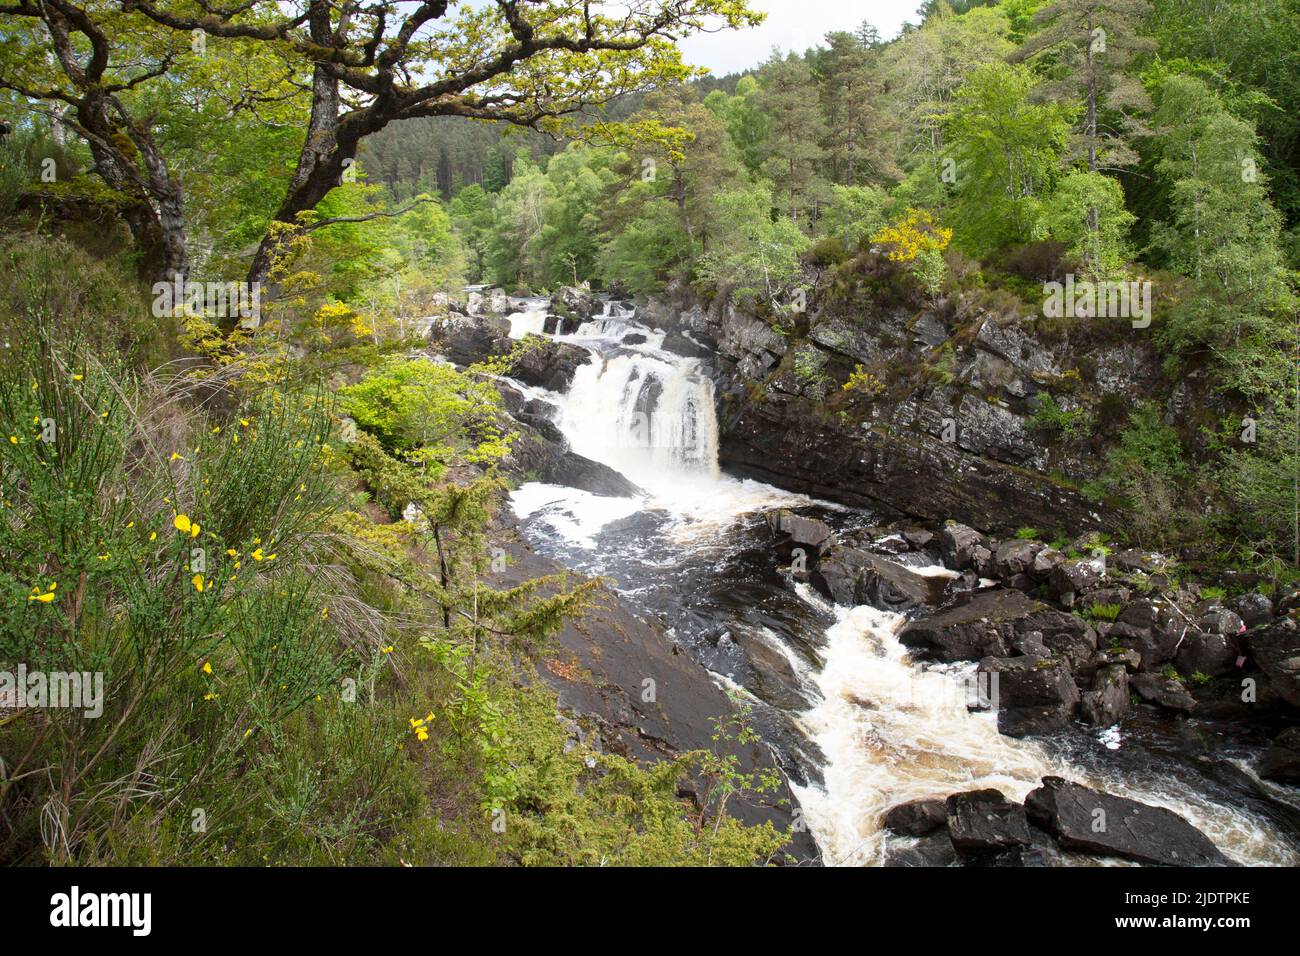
[[856, 725]]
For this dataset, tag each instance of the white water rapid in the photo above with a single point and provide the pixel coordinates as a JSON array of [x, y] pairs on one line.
[[890, 731]]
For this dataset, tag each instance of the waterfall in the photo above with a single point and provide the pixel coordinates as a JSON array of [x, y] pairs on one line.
[[889, 730]]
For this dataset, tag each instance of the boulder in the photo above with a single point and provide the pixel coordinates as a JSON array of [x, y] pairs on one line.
[[1276, 649], [550, 364], [852, 576], [1155, 647], [800, 532], [1071, 578], [984, 821], [1164, 691], [1202, 653], [1108, 700], [1015, 557], [1253, 608], [465, 340], [1281, 761], [917, 818], [1033, 695], [1067, 635], [957, 544], [981, 626], [934, 849], [1045, 561], [1085, 819], [1223, 621]]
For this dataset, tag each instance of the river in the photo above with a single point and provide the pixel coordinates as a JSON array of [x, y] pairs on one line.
[[856, 725]]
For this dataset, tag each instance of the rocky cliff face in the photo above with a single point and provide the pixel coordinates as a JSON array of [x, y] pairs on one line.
[[946, 423]]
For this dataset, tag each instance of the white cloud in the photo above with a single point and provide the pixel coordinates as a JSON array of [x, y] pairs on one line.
[[793, 25]]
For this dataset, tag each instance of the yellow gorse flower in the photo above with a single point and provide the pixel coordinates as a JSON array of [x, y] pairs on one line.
[[185, 526]]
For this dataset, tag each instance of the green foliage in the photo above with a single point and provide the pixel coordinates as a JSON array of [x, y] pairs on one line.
[[420, 404], [1072, 424], [1086, 214]]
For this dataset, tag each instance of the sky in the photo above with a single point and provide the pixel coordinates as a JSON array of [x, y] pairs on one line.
[[793, 25]]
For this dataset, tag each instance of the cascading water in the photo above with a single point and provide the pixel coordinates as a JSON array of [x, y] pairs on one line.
[[885, 730]]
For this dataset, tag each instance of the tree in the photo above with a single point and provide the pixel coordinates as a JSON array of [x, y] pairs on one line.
[[792, 154], [1007, 151], [472, 215], [752, 253], [1085, 47], [537, 65], [82, 66], [1101, 251], [850, 89]]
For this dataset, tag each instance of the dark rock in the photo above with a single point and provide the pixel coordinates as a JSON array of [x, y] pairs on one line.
[[1276, 649], [807, 533], [1155, 647], [1116, 596], [984, 821], [1165, 691], [575, 471], [1108, 700], [957, 544], [1015, 557], [852, 576], [1281, 762], [1222, 621], [932, 850], [917, 818], [1201, 653], [465, 340], [919, 539], [1071, 578], [1033, 695], [1067, 635], [573, 301], [1140, 614], [1253, 608], [980, 627], [1084, 819], [550, 364]]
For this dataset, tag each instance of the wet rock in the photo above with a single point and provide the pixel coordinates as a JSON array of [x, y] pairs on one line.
[[1034, 695], [984, 821], [852, 576], [1281, 762], [919, 539], [1276, 649], [957, 544], [1085, 819], [981, 626], [575, 471], [917, 818], [932, 850], [1108, 700], [1126, 657], [1202, 653], [800, 532], [550, 364], [1071, 578], [1164, 691]]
